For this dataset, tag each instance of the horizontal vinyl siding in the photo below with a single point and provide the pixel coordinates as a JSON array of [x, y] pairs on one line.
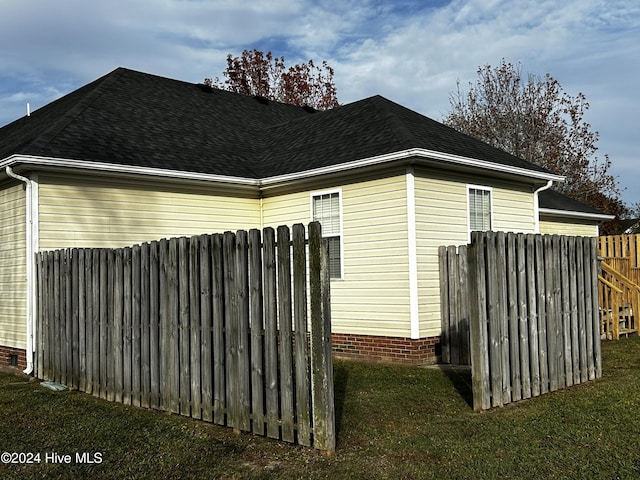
[[112, 213], [12, 267], [442, 219], [373, 296], [559, 226]]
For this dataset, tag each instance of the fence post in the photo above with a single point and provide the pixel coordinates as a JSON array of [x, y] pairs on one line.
[[321, 361], [270, 333], [478, 324], [300, 314], [257, 342], [284, 318]]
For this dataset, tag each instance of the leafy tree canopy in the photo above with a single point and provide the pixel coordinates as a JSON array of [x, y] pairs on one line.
[[257, 73], [533, 118]]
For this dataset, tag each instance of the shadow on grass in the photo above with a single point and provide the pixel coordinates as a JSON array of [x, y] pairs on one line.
[[340, 377], [460, 378]]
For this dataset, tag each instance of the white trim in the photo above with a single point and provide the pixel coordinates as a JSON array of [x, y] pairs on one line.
[[413, 153], [35, 247], [486, 189], [413, 253], [125, 169], [31, 243], [318, 193], [568, 213], [267, 182]]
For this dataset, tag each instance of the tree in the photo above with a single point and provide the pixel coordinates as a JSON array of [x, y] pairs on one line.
[[257, 73], [534, 119]]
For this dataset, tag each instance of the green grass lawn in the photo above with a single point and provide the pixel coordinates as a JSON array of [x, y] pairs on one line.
[[393, 422]]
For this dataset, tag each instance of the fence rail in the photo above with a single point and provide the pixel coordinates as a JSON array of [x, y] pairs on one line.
[[532, 315], [215, 327]]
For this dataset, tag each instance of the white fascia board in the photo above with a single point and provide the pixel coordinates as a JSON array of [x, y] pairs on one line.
[[404, 155], [125, 169], [573, 214], [407, 155]]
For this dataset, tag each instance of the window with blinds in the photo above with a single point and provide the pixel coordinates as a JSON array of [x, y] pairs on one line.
[[479, 209], [326, 210]]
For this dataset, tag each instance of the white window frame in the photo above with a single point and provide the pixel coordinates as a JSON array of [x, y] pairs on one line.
[[319, 193], [485, 189]]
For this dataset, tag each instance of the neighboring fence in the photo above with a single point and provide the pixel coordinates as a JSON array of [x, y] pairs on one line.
[[532, 313], [214, 327], [622, 252], [619, 287]]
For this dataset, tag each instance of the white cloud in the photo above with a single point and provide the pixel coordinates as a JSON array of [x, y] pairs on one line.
[[410, 51]]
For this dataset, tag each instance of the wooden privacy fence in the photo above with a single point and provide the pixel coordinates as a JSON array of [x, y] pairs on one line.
[[532, 312], [214, 327]]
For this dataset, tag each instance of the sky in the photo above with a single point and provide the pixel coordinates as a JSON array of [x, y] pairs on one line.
[[412, 52]]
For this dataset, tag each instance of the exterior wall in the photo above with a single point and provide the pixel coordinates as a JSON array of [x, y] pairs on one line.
[[442, 219], [370, 304], [567, 226], [372, 298], [13, 268], [81, 212]]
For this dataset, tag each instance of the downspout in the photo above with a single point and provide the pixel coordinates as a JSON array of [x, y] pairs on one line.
[[30, 265], [536, 206]]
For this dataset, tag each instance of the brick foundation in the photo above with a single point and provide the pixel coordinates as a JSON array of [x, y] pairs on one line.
[[6, 354], [422, 351], [408, 351]]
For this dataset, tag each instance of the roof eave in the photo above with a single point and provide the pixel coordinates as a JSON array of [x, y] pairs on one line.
[[111, 168], [414, 154], [574, 214], [404, 156]]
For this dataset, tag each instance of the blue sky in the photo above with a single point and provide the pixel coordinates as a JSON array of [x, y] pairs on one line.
[[412, 52]]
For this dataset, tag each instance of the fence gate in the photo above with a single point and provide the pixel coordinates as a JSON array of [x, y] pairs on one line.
[[531, 306], [229, 328]]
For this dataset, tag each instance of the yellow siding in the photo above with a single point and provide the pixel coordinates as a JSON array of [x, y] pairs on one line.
[[442, 219], [565, 226], [80, 212], [373, 296], [12, 267]]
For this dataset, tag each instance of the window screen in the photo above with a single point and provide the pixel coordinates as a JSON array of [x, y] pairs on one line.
[[326, 210], [479, 209]]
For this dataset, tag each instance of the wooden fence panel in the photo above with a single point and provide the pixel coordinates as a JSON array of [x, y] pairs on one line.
[[533, 313], [213, 327], [303, 392], [454, 305]]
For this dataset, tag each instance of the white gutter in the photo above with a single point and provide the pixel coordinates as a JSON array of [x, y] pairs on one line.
[[30, 252], [585, 215], [125, 169], [408, 154], [279, 179], [536, 206]]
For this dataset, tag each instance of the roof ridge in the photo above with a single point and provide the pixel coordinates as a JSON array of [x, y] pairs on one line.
[[98, 88], [398, 128]]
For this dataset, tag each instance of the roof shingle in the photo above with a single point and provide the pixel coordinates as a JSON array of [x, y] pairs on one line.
[[138, 119]]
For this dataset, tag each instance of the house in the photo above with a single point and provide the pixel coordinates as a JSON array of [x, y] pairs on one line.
[[133, 157]]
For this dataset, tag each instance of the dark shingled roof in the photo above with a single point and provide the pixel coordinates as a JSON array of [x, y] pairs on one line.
[[133, 118], [552, 200]]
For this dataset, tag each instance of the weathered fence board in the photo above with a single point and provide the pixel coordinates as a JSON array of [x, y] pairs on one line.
[[213, 327], [533, 313]]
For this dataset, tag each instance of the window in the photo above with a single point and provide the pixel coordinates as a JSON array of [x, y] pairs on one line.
[[325, 208], [479, 208]]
